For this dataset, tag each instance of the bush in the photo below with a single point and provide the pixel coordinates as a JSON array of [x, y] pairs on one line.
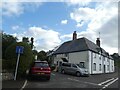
[[25, 59]]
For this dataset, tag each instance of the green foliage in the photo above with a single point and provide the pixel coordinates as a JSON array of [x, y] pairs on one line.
[[25, 39], [6, 41], [42, 55], [116, 57], [25, 59]]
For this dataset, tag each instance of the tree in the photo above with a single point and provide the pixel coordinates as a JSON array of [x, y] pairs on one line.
[[25, 39], [116, 57], [7, 40], [32, 43], [42, 55], [25, 59]]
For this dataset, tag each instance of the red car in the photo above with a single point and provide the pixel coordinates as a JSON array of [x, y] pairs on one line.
[[40, 69]]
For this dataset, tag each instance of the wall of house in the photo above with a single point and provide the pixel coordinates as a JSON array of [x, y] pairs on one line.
[[112, 68], [100, 64], [78, 57], [95, 63], [59, 56], [103, 64]]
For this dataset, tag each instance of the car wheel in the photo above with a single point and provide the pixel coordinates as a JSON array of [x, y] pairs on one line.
[[63, 71], [78, 74]]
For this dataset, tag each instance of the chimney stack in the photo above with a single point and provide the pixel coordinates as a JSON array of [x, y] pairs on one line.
[[74, 35], [98, 42]]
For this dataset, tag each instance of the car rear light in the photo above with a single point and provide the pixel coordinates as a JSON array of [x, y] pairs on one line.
[[49, 69]]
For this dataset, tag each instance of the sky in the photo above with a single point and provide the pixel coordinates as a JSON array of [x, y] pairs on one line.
[[53, 23]]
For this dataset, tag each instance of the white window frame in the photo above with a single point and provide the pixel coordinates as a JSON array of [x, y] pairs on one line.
[[94, 66]]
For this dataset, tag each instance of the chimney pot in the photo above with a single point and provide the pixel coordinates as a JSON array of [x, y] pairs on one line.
[[98, 42], [74, 35]]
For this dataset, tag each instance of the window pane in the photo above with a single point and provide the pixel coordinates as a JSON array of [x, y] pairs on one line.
[[99, 67], [94, 66], [82, 64]]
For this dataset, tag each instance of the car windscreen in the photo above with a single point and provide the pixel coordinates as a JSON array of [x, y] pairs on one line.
[[41, 64], [80, 66]]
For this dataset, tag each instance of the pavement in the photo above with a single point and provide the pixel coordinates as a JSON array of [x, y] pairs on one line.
[[12, 84]]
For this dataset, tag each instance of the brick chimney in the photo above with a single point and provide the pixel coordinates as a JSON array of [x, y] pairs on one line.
[[74, 35], [98, 42]]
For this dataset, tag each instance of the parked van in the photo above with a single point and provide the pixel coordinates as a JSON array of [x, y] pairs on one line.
[[75, 69]]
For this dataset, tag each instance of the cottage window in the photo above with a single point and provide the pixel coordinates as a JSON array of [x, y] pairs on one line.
[[94, 66], [95, 55], [107, 59], [112, 68], [99, 67], [108, 67], [82, 64]]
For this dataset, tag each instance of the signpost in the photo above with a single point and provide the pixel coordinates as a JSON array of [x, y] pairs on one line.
[[19, 50]]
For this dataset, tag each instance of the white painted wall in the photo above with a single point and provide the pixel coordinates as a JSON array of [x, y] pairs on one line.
[[97, 58], [58, 58], [112, 68], [78, 57], [89, 58]]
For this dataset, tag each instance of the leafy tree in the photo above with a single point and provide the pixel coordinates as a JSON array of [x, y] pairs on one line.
[[32, 41], [35, 52], [25, 39], [25, 59], [7, 40], [42, 55], [116, 57]]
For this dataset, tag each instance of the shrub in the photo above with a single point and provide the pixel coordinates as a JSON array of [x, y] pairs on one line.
[[25, 59]]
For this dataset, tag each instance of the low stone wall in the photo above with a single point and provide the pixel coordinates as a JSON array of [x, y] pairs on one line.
[[7, 76]]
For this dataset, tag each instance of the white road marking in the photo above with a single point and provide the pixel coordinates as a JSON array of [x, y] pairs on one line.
[[24, 85], [110, 83], [84, 82], [105, 81]]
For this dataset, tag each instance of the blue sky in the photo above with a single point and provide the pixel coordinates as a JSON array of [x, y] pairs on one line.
[[47, 15], [52, 23]]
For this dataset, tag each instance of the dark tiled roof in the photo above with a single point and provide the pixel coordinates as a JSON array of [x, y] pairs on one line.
[[81, 44]]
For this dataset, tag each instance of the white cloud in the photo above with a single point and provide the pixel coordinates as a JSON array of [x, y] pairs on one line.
[[12, 8], [80, 24], [82, 15], [103, 19], [64, 21], [43, 39], [15, 7], [16, 27], [78, 2]]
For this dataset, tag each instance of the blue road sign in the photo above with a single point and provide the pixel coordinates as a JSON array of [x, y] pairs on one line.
[[19, 49]]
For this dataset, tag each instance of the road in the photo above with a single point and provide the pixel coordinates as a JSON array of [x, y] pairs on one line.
[[58, 80]]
